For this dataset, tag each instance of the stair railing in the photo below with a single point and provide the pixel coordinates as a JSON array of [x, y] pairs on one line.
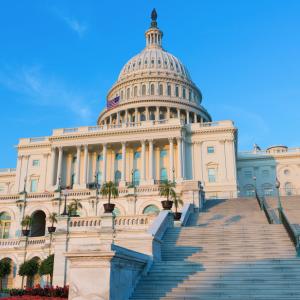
[[293, 234], [263, 206]]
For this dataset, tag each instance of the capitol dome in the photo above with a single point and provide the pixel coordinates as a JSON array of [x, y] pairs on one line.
[[153, 85]]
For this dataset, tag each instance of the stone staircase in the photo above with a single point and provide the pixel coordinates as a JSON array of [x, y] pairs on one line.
[[230, 252]]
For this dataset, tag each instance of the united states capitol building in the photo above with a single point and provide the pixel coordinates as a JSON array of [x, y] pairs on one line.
[[154, 128]]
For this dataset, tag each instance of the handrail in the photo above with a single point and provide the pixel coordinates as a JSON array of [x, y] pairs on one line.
[[294, 236], [187, 211], [263, 206]]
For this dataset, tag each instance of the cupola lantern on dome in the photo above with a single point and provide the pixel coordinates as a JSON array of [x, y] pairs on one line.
[[153, 34]]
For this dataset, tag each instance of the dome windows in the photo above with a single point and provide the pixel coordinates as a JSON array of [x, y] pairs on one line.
[[143, 90], [128, 93], [169, 90], [183, 93], [176, 91], [152, 89], [135, 91], [160, 89]]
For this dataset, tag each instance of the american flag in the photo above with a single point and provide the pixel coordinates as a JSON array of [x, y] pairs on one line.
[[113, 102]]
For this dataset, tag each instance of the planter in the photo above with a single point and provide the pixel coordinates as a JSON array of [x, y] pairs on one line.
[[108, 207], [51, 229], [167, 204], [177, 216], [25, 232]]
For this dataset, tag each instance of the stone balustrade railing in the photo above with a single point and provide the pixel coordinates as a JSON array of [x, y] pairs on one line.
[[7, 170], [9, 243], [134, 221], [85, 222], [20, 242]]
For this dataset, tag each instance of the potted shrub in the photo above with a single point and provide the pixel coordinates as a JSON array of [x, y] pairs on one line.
[[5, 269], [52, 219], [177, 201], [166, 189], [46, 267], [26, 223], [109, 189], [73, 208], [29, 268]]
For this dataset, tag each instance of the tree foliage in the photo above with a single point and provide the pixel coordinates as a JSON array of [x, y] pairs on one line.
[[29, 268], [109, 189], [166, 189], [46, 266]]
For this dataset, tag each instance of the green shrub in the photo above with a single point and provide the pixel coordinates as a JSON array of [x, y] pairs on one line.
[[46, 267]]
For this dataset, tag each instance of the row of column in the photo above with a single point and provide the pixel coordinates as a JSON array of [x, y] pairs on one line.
[[135, 116], [54, 178]]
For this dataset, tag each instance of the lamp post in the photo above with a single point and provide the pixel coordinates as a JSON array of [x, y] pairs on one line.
[[279, 205], [65, 194]]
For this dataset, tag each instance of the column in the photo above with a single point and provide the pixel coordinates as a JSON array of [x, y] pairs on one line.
[[143, 161], [168, 113], [178, 113], [151, 177], [69, 171], [44, 171], [18, 173], [85, 165], [52, 166], [123, 175], [179, 158], [59, 165], [126, 115], [195, 117], [77, 176], [183, 159], [171, 159], [94, 159], [136, 115], [118, 117], [157, 113], [104, 163], [187, 117]]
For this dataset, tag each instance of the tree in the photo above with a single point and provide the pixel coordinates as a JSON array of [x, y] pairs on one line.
[[5, 269], [46, 267], [29, 268], [166, 189], [109, 189], [73, 207], [26, 222], [53, 218], [177, 200]]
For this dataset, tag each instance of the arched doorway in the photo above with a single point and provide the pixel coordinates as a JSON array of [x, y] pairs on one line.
[[5, 222], [7, 281], [38, 223], [151, 210]]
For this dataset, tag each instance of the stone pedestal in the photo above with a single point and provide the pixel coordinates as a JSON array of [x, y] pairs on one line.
[[107, 221]]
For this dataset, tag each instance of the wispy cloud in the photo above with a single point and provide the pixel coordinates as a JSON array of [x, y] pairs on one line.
[[77, 26], [45, 90]]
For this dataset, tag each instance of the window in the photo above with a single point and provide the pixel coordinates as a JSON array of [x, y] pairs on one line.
[[169, 90], [288, 188], [122, 95], [210, 149], [99, 177], [5, 221], [212, 175], [33, 185], [142, 117], [152, 89], [163, 174], [151, 210], [135, 91], [267, 189], [35, 163], [100, 157], [136, 177], [183, 93], [176, 91], [286, 172], [128, 93], [117, 177], [137, 155], [190, 95], [163, 153], [249, 190], [248, 174], [118, 156], [143, 90], [160, 89]]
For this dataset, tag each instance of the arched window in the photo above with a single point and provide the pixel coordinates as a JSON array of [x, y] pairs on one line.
[[135, 90], [5, 222], [177, 91], [163, 174], [169, 90], [288, 187], [267, 189], [117, 177], [160, 90], [249, 190], [151, 210], [143, 89], [136, 177], [122, 95], [116, 212], [38, 223], [152, 89], [128, 93], [152, 116]]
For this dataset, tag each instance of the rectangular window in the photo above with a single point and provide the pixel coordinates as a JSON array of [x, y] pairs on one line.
[[1, 188], [210, 149], [248, 174], [33, 185], [212, 175], [163, 153], [169, 90], [176, 91], [137, 155], [183, 93], [35, 163], [265, 173]]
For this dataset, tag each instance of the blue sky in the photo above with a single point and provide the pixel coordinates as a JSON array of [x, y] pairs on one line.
[[59, 58]]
